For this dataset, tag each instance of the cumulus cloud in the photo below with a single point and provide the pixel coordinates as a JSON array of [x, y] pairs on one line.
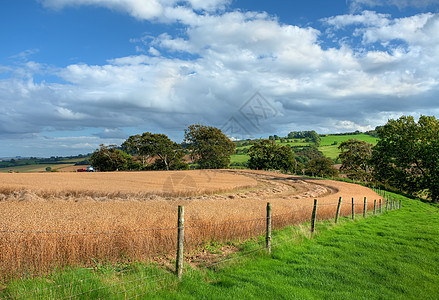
[[358, 5], [170, 10], [206, 74]]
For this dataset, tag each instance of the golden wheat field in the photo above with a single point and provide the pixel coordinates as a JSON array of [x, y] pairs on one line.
[[56, 219]]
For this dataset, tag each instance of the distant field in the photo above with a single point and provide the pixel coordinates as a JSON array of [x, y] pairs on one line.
[[330, 139], [67, 166], [239, 158], [332, 151], [326, 145], [36, 168]]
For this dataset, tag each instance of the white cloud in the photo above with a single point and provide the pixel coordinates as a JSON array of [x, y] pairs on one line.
[[367, 18], [146, 9], [357, 5], [232, 55], [413, 30]]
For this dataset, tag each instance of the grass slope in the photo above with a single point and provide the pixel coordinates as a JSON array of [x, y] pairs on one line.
[[393, 256], [330, 139], [326, 145], [389, 257], [332, 151]]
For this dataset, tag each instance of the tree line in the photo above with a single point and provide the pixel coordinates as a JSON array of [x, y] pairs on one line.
[[406, 156], [206, 146]]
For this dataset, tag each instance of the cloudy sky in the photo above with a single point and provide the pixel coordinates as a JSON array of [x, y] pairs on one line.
[[78, 73]]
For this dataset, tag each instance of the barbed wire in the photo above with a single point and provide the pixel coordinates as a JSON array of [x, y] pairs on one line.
[[161, 277], [150, 229], [225, 223], [155, 290], [115, 284], [39, 291], [143, 284], [79, 282]]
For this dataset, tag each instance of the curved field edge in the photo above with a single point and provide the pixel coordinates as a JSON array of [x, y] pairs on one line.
[[123, 185], [391, 256], [84, 231]]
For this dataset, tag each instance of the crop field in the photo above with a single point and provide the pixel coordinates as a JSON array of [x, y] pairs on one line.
[[51, 220]]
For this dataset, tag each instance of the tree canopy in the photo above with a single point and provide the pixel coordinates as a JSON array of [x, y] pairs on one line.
[[407, 155], [310, 135], [157, 148], [210, 147], [267, 155], [110, 158], [322, 167], [355, 157]]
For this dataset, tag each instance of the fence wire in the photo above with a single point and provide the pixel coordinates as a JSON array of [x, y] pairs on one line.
[[158, 277]]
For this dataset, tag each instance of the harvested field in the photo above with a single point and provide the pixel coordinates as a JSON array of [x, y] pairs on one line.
[[56, 219], [124, 184]]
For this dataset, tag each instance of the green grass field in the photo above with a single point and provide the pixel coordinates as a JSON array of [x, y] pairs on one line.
[[332, 151], [391, 256], [330, 139], [326, 145], [238, 158]]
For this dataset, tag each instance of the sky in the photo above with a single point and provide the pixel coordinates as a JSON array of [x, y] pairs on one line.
[[75, 74]]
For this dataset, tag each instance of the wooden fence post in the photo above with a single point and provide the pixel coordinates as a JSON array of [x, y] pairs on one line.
[[400, 204], [387, 204], [374, 207], [313, 217], [268, 233], [353, 209], [380, 207], [365, 208], [337, 214], [180, 240]]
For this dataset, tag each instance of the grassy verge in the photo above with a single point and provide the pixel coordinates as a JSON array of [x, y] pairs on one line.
[[393, 256]]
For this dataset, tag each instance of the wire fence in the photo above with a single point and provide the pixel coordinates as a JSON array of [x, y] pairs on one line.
[[158, 279]]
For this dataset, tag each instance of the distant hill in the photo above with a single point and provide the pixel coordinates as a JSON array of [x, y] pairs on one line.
[[33, 164], [328, 145]]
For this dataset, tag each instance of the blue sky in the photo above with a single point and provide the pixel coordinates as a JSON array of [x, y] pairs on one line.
[[78, 73]]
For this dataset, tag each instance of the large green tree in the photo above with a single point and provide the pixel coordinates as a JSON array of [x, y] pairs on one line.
[[355, 158], [407, 155], [156, 147], [210, 147], [133, 146], [322, 167], [110, 158], [267, 155]]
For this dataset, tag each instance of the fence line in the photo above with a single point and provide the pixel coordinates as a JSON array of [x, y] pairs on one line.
[[77, 283], [162, 277], [158, 228]]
